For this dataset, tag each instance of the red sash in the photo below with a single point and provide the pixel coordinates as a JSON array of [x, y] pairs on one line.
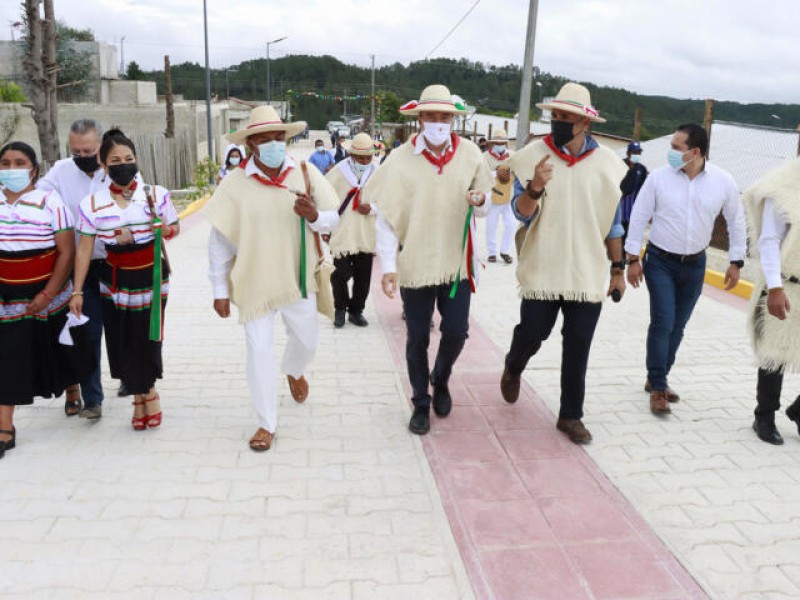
[[129, 261], [269, 181], [31, 269], [567, 158], [356, 197], [441, 161]]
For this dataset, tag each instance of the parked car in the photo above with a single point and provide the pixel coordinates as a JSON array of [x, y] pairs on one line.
[[334, 126], [344, 132]]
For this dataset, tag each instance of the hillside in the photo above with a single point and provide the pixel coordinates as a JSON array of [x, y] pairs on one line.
[[320, 86]]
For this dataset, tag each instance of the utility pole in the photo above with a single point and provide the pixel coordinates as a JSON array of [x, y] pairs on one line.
[[269, 85], [372, 103], [170, 132], [524, 119], [208, 96], [122, 55]]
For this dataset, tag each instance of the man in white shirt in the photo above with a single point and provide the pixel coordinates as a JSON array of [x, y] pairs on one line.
[[773, 205], [75, 178], [682, 200]]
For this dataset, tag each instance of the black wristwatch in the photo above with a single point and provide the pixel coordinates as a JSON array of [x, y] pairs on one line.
[[618, 266], [738, 263]]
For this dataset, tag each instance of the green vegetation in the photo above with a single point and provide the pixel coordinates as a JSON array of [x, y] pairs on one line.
[[493, 89], [11, 92], [74, 67]]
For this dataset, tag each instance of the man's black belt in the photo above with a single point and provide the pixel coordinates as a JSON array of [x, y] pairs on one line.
[[683, 258]]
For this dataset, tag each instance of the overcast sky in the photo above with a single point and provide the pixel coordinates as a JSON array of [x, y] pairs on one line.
[[723, 49]]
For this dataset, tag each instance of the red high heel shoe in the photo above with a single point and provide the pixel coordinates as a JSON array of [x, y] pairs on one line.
[[153, 420], [139, 423]]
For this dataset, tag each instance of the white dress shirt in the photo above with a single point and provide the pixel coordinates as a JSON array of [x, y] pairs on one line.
[[683, 211], [386, 243], [221, 253], [773, 231]]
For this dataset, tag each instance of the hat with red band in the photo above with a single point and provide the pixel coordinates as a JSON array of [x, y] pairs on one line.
[[573, 98]]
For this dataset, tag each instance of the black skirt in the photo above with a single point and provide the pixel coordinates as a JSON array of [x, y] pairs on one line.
[[32, 361], [127, 295]]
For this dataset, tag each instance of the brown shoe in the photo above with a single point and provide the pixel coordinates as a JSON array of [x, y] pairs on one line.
[[261, 440], [659, 405], [575, 430], [298, 387], [509, 386], [672, 395]]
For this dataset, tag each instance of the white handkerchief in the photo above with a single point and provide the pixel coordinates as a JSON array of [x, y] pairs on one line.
[[72, 321]]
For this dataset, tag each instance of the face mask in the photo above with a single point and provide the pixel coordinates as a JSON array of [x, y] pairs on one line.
[[635, 159], [675, 159], [436, 133], [87, 164], [320, 148], [234, 160], [562, 132], [359, 169], [123, 174], [272, 154], [499, 149], [15, 180]]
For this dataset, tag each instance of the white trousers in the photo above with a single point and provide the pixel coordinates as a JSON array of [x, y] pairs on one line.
[[497, 212], [302, 329]]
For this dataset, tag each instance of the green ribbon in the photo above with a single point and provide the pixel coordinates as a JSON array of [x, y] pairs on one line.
[[303, 290], [155, 302], [454, 289]]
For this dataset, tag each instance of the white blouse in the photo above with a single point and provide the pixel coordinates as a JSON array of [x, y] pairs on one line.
[[32, 222]]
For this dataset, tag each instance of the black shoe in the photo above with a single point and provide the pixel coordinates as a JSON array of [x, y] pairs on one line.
[[338, 319], [420, 422], [793, 412], [442, 402], [10, 443], [357, 319], [767, 432], [123, 391], [509, 386]]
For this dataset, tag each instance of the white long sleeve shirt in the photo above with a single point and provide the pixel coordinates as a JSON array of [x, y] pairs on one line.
[[221, 252], [386, 241], [773, 231], [683, 211]]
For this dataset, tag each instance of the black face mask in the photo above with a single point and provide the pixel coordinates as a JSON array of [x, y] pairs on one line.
[[562, 132], [123, 174], [87, 164]]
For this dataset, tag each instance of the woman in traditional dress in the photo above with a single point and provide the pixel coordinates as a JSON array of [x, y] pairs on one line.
[[37, 248], [131, 219], [234, 156]]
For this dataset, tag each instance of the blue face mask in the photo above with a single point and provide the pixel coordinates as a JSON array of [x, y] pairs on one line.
[[15, 180], [675, 159], [272, 154], [635, 159]]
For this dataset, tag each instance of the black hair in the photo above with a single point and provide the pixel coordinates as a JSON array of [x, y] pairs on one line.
[[228, 155], [111, 138], [696, 137], [27, 150]]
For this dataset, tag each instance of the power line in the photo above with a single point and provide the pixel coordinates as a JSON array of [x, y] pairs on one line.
[[449, 33]]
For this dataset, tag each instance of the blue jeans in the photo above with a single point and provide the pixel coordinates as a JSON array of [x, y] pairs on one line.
[[674, 288], [91, 387], [418, 305]]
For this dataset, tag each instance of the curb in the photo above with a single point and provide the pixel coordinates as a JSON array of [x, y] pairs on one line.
[[743, 289], [193, 207]]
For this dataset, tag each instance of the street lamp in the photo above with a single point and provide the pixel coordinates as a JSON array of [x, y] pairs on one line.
[[539, 85], [269, 85]]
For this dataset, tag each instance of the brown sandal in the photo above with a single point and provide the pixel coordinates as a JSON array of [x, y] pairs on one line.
[[298, 387], [74, 402], [261, 440]]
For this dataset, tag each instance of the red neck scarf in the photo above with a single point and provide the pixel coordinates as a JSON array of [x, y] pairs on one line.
[[356, 191], [567, 158], [441, 161], [115, 189], [502, 156], [270, 181]]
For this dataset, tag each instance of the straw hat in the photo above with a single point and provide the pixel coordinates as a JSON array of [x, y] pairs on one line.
[[362, 145], [499, 136], [434, 98], [573, 98], [265, 118]]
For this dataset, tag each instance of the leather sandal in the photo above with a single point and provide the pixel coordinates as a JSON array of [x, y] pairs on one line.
[[153, 420], [74, 402], [298, 388], [139, 422], [261, 440]]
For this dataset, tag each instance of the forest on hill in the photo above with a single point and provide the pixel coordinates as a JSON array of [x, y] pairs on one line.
[[321, 88]]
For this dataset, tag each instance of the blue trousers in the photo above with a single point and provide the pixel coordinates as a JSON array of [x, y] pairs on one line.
[[418, 305], [674, 288], [91, 387]]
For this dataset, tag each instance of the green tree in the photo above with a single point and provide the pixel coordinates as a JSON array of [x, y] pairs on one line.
[[134, 72], [11, 92], [74, 66]]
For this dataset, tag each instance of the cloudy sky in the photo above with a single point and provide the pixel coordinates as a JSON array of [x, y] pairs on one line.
[[723, 49]]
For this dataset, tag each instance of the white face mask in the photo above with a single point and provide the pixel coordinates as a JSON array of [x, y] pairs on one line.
[[359, 169], [320, 148], [234, 160], [499, 149], [436, 133]]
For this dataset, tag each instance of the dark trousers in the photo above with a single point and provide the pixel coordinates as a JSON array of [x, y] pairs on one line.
[[418, 305], [537, 318], [674, 288], [768, 393], [91, 387], [357, 267]]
